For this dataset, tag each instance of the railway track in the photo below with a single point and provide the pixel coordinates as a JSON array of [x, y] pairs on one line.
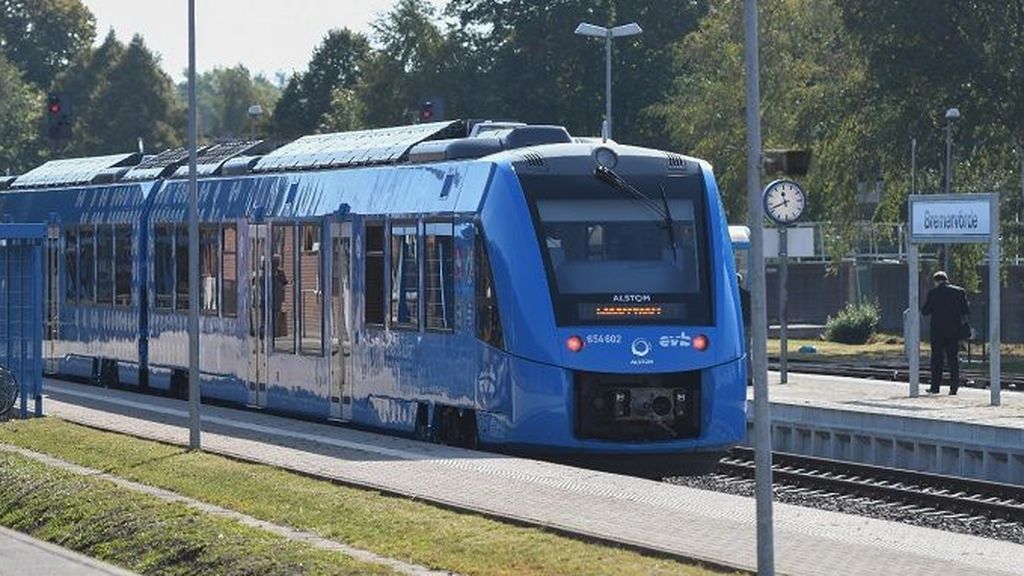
[[928, 493], [972, 378]]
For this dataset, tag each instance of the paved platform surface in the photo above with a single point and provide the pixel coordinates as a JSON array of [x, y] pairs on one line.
[[22, 555], [697, 524], [970, 405]]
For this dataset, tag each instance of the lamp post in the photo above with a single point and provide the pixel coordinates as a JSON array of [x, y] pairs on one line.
[[951, 115], [193, 243], [630, 29]]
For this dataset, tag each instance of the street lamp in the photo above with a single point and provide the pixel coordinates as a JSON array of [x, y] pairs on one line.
[[631, 29], [951, 115]]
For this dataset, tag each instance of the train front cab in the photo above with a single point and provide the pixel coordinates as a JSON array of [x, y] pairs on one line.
[[609, 351]]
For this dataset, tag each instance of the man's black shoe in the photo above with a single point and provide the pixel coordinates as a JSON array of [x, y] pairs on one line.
[[952, 391], [933, 390]]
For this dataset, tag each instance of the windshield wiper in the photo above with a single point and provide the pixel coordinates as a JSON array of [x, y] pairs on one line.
[[608, 176]]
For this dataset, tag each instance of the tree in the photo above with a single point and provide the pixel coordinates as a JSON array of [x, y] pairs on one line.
[[42, 37], [336, 63], [120, 94], [21, 108], [224, 96], [526, 63], [406, 66]]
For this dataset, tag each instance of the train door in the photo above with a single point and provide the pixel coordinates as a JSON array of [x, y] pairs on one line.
[[341, 320], [258, 286], [51, 308]]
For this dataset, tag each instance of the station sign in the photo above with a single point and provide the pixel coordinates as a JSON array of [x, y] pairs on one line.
[[951, 218]]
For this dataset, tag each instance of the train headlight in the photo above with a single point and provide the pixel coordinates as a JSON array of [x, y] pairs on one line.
[[574, 343], [701, 342], [605, 157]]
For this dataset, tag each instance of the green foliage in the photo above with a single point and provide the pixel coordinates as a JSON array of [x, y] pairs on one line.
[[854, 324], [224, 95], [407, 65], [337, 63], [42, 37], [120, 94], [20, 117]]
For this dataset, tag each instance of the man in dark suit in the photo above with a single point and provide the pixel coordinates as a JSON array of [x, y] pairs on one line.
[[947, 306]]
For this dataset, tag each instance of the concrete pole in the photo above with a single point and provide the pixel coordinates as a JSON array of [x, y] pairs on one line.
[[913, 334], [608, 81], [758, 308], [993, 307], [783, 304], [193, 242]]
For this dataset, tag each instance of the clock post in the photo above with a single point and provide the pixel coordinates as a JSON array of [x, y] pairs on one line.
[[784, 203]]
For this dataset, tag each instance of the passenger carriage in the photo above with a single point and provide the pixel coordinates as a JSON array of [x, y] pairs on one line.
[[516, 288]]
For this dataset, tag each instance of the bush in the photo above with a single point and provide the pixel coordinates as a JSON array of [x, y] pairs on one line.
[[855, 324]]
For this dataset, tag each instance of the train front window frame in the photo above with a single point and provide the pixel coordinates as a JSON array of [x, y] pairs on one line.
[[609, 256]]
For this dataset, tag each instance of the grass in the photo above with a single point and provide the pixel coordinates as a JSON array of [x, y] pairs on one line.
[[145, 534], [390, 526]]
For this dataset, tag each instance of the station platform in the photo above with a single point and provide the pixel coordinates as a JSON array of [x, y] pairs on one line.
[[876, 422], [716, 528], [22, 555]]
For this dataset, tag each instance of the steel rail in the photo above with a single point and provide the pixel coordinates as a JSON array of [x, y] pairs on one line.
[[946, 493]]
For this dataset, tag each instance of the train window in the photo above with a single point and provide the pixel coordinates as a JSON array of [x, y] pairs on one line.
[[374, 275], [311, 332], [405, 276], [163, 266], [438, 288], [229, 268], [181, 267], [86, 265], [488, 320], [123, 265], [209, 260], [282, 282], [71, 265], [104, 265]]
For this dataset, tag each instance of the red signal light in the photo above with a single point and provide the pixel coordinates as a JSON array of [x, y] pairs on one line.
[[701, 342], [54, 107], [574, 343]]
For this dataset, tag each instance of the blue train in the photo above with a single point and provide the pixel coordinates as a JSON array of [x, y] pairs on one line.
[[492, 284]]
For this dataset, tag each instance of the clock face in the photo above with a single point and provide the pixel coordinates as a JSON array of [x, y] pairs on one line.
[[784, 201]]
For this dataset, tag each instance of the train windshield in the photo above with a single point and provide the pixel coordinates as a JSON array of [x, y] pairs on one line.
[[618, 258]]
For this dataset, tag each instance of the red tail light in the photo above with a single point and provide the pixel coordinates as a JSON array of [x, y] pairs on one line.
[[574, 343], [701, 342]]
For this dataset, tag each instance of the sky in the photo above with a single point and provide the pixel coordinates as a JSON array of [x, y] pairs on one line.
[[267, 36]]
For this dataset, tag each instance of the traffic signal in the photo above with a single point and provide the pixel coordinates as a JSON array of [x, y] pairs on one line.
[[427, 112], [58, 117]]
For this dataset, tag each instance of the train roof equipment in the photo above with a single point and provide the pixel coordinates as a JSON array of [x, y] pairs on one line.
[[77, 171], [211, 160], [358, 148]]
